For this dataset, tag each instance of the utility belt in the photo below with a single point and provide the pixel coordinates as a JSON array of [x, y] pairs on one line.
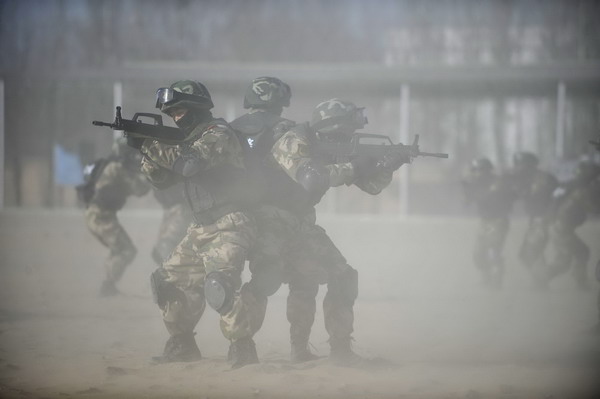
[[210, 216]]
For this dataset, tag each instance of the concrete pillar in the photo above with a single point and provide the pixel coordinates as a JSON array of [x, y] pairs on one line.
[[404, 138], [560, 121]]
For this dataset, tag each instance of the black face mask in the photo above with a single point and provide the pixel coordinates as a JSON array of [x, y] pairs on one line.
[[191, 119]]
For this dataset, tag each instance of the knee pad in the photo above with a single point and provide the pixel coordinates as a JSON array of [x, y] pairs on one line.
[[164, 291], [219, 292], [345, 285]]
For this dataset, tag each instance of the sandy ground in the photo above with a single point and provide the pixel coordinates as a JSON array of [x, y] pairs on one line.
[[421, 308]]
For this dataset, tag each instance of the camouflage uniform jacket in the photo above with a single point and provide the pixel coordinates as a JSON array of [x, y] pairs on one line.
[[294, 150], [117, 182], [220, 183]]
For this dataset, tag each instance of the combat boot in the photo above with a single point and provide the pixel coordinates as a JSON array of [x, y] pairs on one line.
[[342, 354], [301, 353], [242, 352], [180, 348], [108, 288]]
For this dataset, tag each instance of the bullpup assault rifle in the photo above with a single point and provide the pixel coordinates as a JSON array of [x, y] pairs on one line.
[[373, 146], [134, 128]]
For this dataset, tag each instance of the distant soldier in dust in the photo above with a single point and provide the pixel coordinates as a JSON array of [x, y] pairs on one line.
[[494, 198], [108, 183], [574, 201], [534, 188]]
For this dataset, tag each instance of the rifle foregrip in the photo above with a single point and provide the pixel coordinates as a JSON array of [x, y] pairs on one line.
[[434, 154]]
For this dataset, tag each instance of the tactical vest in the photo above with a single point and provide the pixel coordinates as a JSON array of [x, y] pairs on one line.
[[283, 192], [215, 192], [259, 131], [170, 196]]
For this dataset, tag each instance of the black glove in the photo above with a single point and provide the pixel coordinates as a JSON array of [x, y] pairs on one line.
[[135, 142], [365, 167], [392, 161]]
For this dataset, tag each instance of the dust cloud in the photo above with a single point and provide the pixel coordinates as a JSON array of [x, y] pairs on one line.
[[421, 311]]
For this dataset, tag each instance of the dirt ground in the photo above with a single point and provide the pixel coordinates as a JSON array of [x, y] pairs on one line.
[[421, 308]]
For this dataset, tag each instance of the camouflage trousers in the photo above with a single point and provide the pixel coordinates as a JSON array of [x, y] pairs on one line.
[[566, 251], [222, 246], [487, 253], [307, 258], [105, 226], [172, 229]]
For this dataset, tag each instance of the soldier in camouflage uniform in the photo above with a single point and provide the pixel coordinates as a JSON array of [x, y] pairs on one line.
[[111, 181], [261, 126], [311, 256], [174, 223], [494, 197], [207, 264], [535, 188], [573, 202]]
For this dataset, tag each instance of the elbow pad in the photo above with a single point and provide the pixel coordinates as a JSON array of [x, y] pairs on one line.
[[188, 165], [313, 178]]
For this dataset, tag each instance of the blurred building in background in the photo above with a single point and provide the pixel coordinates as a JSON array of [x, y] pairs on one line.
[[472, 78]]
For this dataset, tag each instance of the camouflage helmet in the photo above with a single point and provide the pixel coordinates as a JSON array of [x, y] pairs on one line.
[[525, 160], [188, 94], [335, 116], [267, 92]]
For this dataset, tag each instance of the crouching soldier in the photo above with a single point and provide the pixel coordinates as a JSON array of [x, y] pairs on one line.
[[206, 265]]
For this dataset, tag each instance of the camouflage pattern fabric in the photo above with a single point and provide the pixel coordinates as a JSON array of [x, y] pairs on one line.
[[212, 142], [221, 246], [317, 261], [293, 150], [312, 258], [117, 182], [105, 226], [114, 185], [173, 227]]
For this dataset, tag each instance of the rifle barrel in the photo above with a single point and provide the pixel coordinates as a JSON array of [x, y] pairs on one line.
[[434, 154], [99, 123]]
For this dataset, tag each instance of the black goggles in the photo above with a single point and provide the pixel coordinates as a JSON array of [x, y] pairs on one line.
[[166, 96]]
